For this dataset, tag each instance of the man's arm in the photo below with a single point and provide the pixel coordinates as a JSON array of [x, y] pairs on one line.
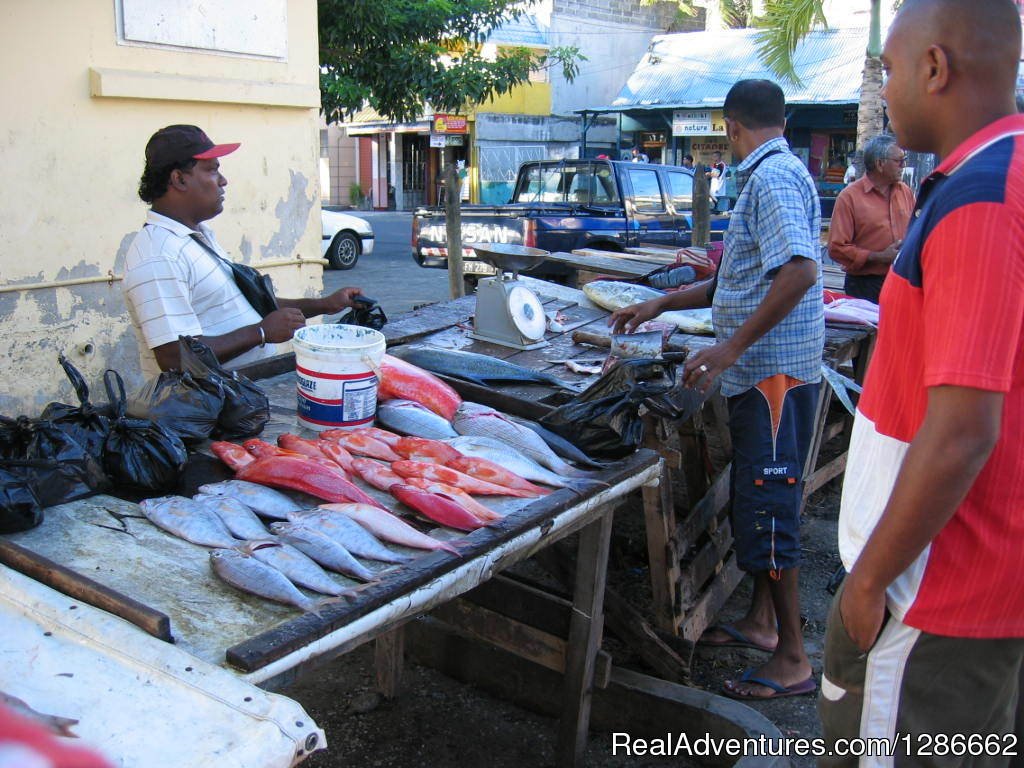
[[325, 305], [960, 429], [628, 318], [790, 284]]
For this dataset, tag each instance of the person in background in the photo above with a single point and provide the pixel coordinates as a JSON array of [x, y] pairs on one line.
[[870, 219], [769, 331], [176, 279], [925, 638], [851, 171], [687, 161], [638, 156]]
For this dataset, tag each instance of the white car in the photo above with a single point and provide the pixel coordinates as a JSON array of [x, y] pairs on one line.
[[345, 237]]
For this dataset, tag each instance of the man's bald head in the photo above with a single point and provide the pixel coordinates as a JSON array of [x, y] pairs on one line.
[[952, 68]]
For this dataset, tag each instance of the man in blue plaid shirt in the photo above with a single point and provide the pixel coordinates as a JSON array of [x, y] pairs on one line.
[[770, 328]]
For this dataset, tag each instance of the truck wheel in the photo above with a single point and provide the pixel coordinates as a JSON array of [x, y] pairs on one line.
[[343, 252], [469, 284]]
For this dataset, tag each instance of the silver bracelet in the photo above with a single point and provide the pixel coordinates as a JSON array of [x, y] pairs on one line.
[[263, 336]]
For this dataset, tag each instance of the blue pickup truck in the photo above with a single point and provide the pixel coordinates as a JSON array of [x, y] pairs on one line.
[[562, 205]]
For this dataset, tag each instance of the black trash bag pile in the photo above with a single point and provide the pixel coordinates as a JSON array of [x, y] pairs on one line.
[[605, 421], [20, 508], [139, 454], [246, 408], [87, 423]]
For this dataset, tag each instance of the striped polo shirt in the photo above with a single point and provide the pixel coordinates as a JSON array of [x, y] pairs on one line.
[[952, 314], [175, 287]]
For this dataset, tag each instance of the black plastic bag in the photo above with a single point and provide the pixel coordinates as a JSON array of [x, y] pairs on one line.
[[20, 507], [604, 421], [139, 453], [246, 408], [87, 423], [181, 403], [67, 471]]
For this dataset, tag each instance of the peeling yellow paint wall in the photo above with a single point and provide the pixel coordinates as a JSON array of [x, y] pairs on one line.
[[78, 109]]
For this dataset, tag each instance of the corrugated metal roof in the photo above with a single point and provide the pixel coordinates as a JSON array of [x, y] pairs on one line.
[[696, 69], [525, 31]]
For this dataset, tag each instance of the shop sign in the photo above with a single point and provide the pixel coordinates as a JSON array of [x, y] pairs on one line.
[[445, 140], [698, 122], [443, 123]]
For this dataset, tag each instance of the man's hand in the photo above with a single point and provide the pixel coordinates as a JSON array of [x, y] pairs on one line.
[[888, 256], [281, 325], [628, 318], [703, 367], [862, 611], [339, 300]]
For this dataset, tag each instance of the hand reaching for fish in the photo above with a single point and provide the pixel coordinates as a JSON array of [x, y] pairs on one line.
[[628, 318], [706, 365]]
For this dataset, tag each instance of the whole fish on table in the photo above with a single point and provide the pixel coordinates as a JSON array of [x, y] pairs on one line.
[[389, 527], [457, 495], [337, 453], [489, 471], [480, 369], [303, 475], [235, 456], [243, 571], [557, 443], [302, 445], [187, 520], [360, 445], [480, 421], [612, 295], [238, 518], [383, 435], [437, 508], [461, 480], [260, 499], [422, 449], [375, 473], [58, 725], [300, 568], [402, 380], [322, 548], [411, 418], [513, 461], [261, 449], [350, 534]]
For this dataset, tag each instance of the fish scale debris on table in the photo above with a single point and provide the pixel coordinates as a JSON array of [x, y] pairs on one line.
[[411, 418], [260, 499], [187, 520], [243, 571], [390, 527], [477, 368], [613, 295], [350, 534], [301, 569], [239, 519], [322, 548], [436, 507]]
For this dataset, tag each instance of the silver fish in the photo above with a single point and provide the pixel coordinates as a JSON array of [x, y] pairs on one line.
[[509, 458], [239, 519], [322, 548], [188, 520], [243, 571], [59, 725], [411, 418], [350, 534], [612, 295], [480, 421], [260, 499], [471, 366], [300, 568]]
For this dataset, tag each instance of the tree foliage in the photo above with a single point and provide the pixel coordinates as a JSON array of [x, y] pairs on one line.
[[397, 55]]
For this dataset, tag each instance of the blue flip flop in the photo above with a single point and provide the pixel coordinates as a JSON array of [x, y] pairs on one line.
[[739, 640], [802, 688]]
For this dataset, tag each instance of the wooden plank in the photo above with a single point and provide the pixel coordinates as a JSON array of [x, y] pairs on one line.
[[700, 618], [820, 422], [74, 584], [523, 601], [662, 557], [389, 652], [705, 510], [584, 640], [704, 564], [823, 474]]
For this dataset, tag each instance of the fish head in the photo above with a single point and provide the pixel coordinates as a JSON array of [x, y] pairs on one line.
[[281, 528], [226, 554]]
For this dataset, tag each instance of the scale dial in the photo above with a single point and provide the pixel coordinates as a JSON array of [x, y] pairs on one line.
[[527, 313]]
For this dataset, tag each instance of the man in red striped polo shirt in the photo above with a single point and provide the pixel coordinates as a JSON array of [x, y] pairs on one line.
[[926, 639]]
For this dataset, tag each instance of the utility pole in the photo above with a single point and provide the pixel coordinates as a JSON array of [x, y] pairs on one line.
[[453, 224], [701, 234]]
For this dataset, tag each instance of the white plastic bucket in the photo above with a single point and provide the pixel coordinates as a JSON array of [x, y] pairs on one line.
[[335, 367]]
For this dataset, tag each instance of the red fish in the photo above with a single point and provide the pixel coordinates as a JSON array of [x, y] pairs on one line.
[[435, 507], [488, 471], [458, 495], [402, 380], [235, 456], [306, 475], [386, 437], [301, 445], [261, 449], [337, 453], [376, 473], [360, 445], [452, 477], [424, 449]]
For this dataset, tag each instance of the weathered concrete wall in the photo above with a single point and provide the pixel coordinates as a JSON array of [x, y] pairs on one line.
[[79, 108]]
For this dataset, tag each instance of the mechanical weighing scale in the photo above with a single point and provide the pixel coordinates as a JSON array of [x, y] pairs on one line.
[[507, 312]]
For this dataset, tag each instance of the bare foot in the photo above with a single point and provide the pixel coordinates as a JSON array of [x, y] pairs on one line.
[[785, 671]]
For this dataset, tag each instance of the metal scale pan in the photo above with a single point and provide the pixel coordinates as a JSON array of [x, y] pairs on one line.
[[507, 312]]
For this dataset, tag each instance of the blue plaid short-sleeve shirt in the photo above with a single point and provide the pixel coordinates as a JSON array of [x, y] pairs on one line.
[[777, 217]]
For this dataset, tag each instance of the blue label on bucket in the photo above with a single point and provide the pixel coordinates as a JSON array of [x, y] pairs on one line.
[[348, 401]]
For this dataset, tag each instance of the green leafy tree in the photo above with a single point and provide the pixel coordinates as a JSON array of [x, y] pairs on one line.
[[396, 55]]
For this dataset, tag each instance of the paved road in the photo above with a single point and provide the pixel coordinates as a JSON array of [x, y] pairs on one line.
[[389, 274]]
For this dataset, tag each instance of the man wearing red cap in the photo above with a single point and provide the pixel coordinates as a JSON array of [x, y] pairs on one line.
[[178, 280]]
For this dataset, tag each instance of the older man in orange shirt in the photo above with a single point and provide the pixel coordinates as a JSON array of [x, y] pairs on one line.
[[870, 219]]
